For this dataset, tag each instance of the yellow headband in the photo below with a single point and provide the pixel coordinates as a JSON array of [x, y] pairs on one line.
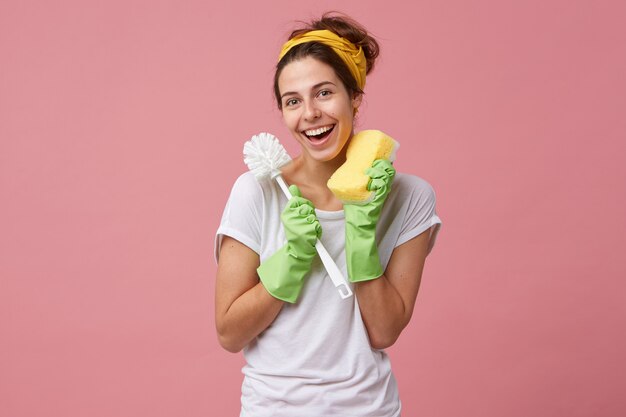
[[354, 58]]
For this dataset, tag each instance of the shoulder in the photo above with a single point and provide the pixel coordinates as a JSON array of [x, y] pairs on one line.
[[413, 187], [250, 191], [247, 186], [247, 182], [245, 193]]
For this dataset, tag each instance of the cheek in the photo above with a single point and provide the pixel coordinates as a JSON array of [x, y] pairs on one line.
[[338, 114]]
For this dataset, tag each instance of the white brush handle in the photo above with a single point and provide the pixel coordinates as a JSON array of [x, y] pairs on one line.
[[331, 267]]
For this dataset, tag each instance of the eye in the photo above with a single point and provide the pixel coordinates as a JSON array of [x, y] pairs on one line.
[[291, 102], [324, 93]]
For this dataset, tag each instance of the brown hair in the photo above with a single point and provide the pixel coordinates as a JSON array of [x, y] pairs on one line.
[[343, 26]]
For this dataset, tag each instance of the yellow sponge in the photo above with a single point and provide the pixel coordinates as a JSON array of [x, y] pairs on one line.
[[349, 182]]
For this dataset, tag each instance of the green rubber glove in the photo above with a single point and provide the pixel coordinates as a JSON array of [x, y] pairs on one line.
[[362, 256], [283, 273]]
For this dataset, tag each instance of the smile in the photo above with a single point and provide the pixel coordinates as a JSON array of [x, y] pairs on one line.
[[318, 135]]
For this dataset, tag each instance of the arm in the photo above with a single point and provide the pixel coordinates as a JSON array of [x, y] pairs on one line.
[[243, 307], [387, 303], [386, 298], [250, 295]]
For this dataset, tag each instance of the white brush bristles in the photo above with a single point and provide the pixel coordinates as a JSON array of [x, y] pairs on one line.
[[264, 155]]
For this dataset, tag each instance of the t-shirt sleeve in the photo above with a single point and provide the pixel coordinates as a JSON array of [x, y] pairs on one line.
[[421, 214], [242, 215]]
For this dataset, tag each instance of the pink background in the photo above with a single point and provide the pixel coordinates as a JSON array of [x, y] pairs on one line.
[[121, 130]]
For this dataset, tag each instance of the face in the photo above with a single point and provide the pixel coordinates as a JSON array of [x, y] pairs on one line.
[[316, 107]]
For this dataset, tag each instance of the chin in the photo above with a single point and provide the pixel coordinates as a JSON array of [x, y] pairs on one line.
[[324, 156]]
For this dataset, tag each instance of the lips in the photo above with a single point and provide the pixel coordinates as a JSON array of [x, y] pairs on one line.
[[318, 130], [319, 135]]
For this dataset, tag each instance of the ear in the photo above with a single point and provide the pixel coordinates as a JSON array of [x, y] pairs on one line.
[[357, 98]]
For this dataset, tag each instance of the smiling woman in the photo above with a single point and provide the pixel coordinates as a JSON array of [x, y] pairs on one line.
[[317, 108], [308, 351]]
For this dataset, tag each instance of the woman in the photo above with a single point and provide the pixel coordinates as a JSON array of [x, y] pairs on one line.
[[309, 352]]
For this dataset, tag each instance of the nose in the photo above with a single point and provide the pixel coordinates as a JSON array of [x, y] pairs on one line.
[[311, 112]]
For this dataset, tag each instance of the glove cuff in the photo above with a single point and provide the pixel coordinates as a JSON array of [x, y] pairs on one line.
[[283, 275], [362, 260]]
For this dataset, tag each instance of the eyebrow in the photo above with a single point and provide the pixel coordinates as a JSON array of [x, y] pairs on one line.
[[316, 86]]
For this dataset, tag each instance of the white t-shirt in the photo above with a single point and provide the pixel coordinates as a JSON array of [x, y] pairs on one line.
[[315, 358]]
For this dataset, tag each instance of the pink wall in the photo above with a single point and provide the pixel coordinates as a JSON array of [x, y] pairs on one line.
[[121, 128]]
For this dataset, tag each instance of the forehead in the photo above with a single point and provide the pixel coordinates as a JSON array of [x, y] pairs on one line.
[[303, 74]]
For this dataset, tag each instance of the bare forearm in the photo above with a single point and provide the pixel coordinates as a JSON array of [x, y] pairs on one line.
[[247, 317], [383, 311]]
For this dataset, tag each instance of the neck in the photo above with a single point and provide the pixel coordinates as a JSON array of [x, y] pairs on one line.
[[316, 172]]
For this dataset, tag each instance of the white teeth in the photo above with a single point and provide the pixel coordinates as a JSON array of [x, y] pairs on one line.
[[318, 131]]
